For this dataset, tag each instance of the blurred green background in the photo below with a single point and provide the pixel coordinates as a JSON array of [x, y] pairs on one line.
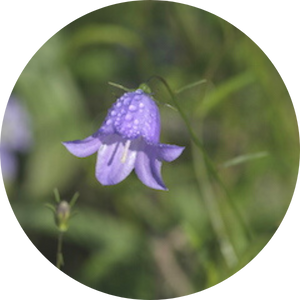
[[129, 240]]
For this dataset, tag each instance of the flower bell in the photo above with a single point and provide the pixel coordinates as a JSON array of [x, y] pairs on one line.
[[128, 139]]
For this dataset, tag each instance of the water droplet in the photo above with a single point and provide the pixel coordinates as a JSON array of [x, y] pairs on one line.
[[126, 101], [108, 122], [113, 113], [119, 104], [132, 107], [128, 117]]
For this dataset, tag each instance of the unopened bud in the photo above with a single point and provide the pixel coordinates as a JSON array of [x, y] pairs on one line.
[[62, 215]]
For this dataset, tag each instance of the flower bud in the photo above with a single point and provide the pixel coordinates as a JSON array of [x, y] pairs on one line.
[[62, 216]]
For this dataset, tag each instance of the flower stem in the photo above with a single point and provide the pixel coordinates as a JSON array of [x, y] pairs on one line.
[[207, 160], [59, 255]]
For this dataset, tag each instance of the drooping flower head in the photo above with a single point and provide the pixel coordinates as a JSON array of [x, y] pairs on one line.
[[128, 139]]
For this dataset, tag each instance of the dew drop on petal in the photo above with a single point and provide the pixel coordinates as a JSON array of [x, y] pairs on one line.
[[132, 107], [128, 117]]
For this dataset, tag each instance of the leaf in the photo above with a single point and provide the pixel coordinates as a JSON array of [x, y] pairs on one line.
[[223, 91], [244, 158]]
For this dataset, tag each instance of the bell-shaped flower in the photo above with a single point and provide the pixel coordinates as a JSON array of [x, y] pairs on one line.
[[128, 139], [16, 137]]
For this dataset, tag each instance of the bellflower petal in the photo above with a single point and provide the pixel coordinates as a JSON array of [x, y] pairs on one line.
[[115, 160], [169, 152], [147, 168], [128, 139], [83, 148]]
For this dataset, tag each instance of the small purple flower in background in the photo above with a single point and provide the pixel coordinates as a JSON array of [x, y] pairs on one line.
[[16, 137], [128, 139]]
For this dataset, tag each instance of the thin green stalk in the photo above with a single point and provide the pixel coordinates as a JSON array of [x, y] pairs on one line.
[[62, 214], [59, 255], [207, 160], [219, 226]]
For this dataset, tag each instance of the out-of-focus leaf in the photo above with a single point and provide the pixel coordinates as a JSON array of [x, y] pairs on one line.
[[244, 158], [223, 91], [106, 34]]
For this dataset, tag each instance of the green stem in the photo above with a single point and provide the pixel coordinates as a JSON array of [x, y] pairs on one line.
[[207, 160], [184, 117], [59, 255]]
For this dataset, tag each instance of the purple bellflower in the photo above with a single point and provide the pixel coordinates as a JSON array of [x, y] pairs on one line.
[[16, 137], [128, 139]]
